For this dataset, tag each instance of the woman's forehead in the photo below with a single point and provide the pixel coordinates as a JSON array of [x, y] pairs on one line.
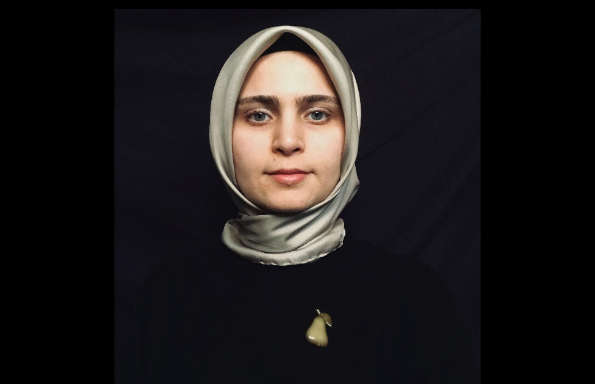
[[287, 73]]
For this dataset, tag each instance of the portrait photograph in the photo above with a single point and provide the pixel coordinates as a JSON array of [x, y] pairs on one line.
[[297, 195]]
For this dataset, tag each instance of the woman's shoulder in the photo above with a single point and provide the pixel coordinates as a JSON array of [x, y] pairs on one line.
[[404, 287], [191, 270], [418, 309], [394, 268]]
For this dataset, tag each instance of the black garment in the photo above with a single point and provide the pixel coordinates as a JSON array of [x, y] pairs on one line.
[[219, 318]]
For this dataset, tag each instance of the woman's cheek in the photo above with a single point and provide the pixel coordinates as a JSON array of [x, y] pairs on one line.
[[333, 148], [249, 149]]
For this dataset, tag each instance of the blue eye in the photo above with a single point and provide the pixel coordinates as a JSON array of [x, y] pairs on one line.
[[318, 115], [258, 117]]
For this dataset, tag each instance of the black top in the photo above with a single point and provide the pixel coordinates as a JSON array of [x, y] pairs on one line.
[[219, 318]]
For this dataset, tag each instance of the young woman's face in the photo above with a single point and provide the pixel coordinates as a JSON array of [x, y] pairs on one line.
[[288, 117]]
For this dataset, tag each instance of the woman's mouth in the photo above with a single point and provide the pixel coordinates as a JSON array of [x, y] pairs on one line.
[[288, 176]]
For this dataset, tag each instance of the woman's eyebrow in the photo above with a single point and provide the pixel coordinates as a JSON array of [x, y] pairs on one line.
[[311, 99], [271, 102]]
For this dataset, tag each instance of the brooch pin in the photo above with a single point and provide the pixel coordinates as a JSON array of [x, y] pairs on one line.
[[316, 334]]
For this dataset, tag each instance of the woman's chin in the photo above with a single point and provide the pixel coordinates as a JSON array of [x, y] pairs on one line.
[[287, 206]]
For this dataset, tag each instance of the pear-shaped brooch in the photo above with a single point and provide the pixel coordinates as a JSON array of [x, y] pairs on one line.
[[316, 334]]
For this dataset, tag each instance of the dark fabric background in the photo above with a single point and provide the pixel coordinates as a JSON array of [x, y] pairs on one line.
[[419, 159]]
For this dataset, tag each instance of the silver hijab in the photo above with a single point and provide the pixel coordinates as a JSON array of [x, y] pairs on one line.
[[272, 238]]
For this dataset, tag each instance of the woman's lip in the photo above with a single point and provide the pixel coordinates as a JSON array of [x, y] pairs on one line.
[[289, 178], [288, 171]]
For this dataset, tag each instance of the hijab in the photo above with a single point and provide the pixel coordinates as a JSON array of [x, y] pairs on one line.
[[282, 238]]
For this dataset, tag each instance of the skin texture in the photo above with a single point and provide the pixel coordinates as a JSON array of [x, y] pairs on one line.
[[308, 136]]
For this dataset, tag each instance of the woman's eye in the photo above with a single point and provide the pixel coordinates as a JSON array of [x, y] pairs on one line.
[[318, 115], [258, 117]]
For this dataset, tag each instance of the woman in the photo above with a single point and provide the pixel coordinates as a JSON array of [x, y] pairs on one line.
[[289, 296]]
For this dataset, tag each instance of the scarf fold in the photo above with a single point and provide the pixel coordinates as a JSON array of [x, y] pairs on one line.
[[275, 238]]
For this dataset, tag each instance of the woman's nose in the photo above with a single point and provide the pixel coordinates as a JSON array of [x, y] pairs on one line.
[[288, 137]]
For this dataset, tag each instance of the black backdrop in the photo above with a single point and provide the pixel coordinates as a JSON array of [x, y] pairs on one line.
[[418, 73]]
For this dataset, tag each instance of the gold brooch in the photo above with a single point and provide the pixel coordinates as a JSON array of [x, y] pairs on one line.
[[316, 334]]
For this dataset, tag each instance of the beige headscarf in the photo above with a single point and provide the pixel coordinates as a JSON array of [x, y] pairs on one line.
[[284, 239]]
